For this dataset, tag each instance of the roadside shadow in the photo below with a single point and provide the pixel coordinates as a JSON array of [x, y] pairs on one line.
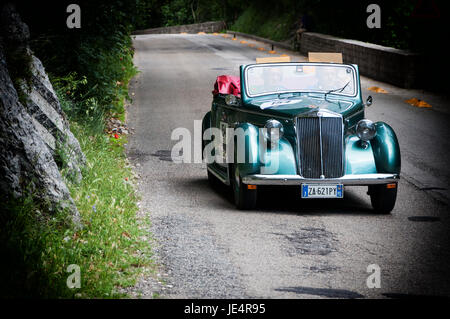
[[288, 199], [220, 190], [283, 199]]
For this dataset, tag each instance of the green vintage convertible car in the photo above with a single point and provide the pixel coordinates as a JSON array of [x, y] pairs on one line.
[[298, 124]]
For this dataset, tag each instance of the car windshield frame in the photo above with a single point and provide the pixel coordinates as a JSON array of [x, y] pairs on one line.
[[354, 78]]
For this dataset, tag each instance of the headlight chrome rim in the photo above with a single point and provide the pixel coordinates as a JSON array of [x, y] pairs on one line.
[[270, 128], [365, 130]]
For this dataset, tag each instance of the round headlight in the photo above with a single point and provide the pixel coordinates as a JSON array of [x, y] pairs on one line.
[[365, 129], [274, 130]]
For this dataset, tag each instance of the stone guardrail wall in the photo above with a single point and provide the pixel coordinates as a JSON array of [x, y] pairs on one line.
[[398, 67], [212, 26], [255, 37]]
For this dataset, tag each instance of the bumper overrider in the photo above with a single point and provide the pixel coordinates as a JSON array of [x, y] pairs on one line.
[[355, 180]]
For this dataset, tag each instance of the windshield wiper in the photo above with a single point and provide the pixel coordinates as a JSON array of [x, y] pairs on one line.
[[336, 90]]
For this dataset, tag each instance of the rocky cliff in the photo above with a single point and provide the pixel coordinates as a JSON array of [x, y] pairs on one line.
[[33, 127]]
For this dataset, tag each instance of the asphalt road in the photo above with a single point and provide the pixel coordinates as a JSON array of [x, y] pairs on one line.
[[287, 247]]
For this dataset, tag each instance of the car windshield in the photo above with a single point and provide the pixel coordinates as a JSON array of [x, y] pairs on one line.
[[263, 79]]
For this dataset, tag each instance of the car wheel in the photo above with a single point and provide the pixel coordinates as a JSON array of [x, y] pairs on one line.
[[244, 198], [383, 197]]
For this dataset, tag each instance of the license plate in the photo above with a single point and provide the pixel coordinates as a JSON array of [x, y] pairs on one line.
[[322, 191]]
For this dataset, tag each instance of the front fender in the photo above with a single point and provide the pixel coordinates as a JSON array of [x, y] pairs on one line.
[[247, 160], [279, 160], [382, 154], [386, 149], [262, 159]]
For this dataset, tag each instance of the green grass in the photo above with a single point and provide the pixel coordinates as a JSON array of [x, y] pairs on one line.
[[109, 249]]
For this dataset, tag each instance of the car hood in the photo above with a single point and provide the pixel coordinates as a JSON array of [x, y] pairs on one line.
[[294, 106]]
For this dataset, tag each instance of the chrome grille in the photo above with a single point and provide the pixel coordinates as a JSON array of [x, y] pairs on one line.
[[320, 138]]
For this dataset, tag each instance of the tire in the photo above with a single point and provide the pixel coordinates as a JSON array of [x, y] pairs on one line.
[[383, 198], [244, 198]]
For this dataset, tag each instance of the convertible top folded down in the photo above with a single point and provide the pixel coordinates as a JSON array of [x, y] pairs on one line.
[[227, 84]]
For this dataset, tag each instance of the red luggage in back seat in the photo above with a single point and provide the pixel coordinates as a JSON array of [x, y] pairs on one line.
[[227, 84]]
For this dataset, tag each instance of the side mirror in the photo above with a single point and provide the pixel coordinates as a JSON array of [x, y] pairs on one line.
[[369, 100], [231, 99]]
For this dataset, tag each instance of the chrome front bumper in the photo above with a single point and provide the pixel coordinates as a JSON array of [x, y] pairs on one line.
[[363, 179]]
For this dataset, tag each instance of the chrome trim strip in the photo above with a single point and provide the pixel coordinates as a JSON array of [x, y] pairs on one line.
[[360, 179], [320, 145], [219, 177]]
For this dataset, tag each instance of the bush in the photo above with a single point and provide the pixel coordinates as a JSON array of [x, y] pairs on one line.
[[264, 23]]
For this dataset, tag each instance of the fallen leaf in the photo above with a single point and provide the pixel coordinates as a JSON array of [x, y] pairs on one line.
[[376, 89], [418, 103]]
